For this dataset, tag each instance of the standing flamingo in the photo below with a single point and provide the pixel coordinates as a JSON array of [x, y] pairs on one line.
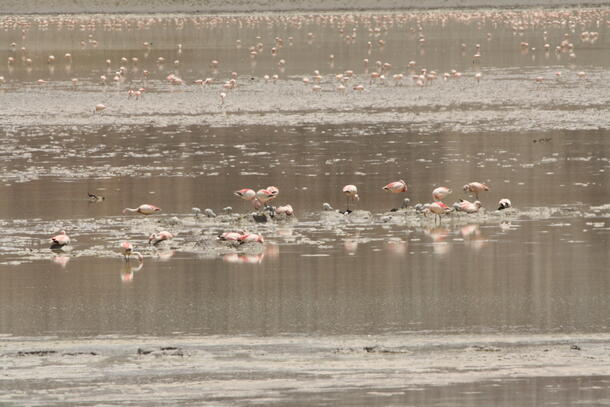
[[127, 251], [396, 187], [264, 195], [438, 209], [476, 188], [144, 209], [440, 193], [351, 194]]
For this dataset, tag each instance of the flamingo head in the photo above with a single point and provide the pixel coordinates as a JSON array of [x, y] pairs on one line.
[[466, 188]]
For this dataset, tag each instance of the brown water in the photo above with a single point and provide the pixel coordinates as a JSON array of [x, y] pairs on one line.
[[376, 307]]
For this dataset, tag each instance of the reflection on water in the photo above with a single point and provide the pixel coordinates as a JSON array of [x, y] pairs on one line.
[[535, 137]]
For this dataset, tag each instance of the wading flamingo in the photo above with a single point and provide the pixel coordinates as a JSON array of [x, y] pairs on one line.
[[127, 251], [476, 188], [351, 194], [438, 209]]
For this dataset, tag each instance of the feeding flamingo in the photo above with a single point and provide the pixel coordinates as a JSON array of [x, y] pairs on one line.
[[127, 251], [476, 188], [144, 209], [351, 194]]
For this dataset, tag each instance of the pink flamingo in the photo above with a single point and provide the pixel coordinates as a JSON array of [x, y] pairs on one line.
[[476, 188], [251, 238], [155, 238], [60, 240], [395, 187], [264, 195], [351, 194], [286, 210], [438, 209], [144, 209], [246, 194], [468, 207], [275, 191], [440, 193], [127, 251], [230, 236]]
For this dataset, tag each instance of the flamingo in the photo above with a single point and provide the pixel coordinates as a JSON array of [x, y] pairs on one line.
[[275, 191], [504, 203], [264, 195], [127, 251], [230, 236], [476, 188], [60, 240], [99, 107], [286, 210], [155, 238], [246, 194], [251, 238], [351, 194], [395, 187], [144, 209], [440, 193], [466, 206], [438, 209]]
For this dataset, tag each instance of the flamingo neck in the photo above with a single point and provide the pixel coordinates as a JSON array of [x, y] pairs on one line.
[[130, 210]]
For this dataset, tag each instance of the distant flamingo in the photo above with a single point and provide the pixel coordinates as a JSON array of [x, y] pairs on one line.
[[476, 188], [440, 193], [438, 209], [467, 206], [155, 238], [99, 107], [264, 195], [251, 238], [504, 203], [351, 194], [127, 251], [395, 187], [144, 209], [275, 191], [62, 239], [230, 236], [285, 209], [246, 194]]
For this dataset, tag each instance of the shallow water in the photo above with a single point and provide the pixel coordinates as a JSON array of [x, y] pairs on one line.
[[375, 307]]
